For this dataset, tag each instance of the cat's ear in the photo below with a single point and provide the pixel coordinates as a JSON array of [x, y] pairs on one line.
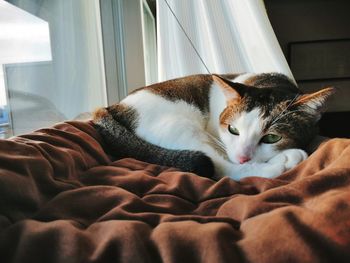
[[315, 102], [230, 89]]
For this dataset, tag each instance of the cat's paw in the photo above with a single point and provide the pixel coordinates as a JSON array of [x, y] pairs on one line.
[[289, 158], [271, 170], [266, 170]]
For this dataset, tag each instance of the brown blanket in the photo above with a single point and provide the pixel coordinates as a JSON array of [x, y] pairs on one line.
[[62, 199]]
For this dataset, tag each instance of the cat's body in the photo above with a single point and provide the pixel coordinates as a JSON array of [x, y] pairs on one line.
[[248, 124]]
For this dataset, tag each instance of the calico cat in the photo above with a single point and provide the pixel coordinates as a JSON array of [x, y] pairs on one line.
[[247, 124]]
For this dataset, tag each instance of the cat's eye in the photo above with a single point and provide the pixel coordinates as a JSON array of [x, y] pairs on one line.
[[271, 138], [233, 130]]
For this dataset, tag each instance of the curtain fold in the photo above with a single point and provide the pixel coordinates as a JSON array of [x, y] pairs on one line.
[[231, 36]]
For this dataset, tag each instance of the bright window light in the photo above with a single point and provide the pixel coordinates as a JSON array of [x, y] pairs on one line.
[[23, 38]]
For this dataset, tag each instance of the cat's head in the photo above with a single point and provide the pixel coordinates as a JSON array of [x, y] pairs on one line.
[[267, 116]]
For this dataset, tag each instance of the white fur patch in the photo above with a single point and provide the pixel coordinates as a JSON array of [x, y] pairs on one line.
[[217, 103], [244, 77], [166, 123]]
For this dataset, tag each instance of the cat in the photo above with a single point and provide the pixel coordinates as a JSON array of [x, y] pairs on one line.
[[234, 125]]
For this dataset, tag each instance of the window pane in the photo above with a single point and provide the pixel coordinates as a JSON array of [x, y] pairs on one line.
[[52, 61], [149, 44]]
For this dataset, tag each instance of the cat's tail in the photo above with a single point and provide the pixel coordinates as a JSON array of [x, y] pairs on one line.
[[122, 142]]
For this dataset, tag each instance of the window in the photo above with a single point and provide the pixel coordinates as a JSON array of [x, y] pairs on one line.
[[62, 59], [149, 44], [52, 62]]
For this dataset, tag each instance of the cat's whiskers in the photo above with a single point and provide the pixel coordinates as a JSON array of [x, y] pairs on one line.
[[287, 113], [282, 114], [217, 144], [280, 124]]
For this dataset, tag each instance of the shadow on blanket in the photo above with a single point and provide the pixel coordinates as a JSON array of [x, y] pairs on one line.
[[62, 199]]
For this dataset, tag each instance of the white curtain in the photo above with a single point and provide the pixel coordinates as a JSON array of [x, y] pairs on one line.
[[231, 36]]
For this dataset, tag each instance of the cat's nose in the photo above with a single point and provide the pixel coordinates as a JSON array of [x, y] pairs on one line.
[[243, 159]]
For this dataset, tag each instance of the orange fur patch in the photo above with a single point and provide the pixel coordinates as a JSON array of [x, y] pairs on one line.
[[319, 95], [228, 114], [100, 114]]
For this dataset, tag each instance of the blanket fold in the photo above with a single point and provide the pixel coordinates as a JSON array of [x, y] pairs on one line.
[[63, 199]]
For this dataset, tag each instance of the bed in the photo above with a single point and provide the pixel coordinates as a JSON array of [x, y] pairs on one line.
[[63, 198]]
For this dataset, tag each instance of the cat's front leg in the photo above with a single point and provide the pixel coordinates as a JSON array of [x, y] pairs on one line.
[[282, 162]]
